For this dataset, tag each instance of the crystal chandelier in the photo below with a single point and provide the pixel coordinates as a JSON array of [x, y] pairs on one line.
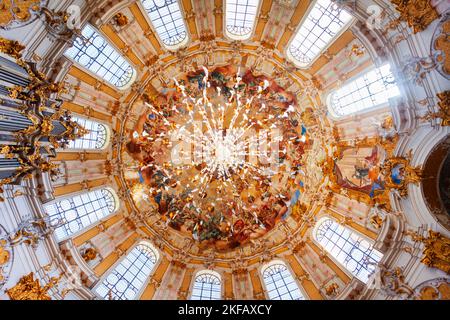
[[219, 153]]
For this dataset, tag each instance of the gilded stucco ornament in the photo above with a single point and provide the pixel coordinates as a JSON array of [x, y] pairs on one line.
[[391, 281], [59, 24], [299, 210], [18, 13], [120, 19], [6, 257], [399, 173], [32, 231], [11, 48], [357, 50], [89, 254], [435, 289], [39, 142], [418, 14], [440, 46], [436, 252], [443, 112], [29, 288], [182, 295], [332, 290], [376, 221]]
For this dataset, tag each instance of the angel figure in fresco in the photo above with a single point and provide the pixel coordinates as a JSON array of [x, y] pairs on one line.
[[197, 78], [222, 76], [373, 162], [397, 174], [361, 173], [308, 117], [249, 208]]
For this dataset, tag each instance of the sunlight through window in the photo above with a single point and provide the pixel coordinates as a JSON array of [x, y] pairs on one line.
[[323, 23]]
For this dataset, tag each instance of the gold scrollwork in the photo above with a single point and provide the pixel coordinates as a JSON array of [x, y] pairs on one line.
[[436, 253], [376, 221], [89, 254], [436, 289], [5, 257], [418, 14], [37, 97], [4, 254], [11, 48], [357, 50], [120, 19], [332, 290], [399, 173], [444, 109], [17, 11], [29, 288]]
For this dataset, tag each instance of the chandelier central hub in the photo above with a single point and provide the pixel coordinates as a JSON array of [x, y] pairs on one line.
[[223, 153]]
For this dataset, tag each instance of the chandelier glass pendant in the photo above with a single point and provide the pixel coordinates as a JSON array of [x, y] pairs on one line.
[[220, 155]]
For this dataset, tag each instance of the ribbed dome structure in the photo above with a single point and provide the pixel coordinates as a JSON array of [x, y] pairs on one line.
[[224, 149]]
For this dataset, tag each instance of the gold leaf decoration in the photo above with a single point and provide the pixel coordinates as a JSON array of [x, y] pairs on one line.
[[29, 288], [418, 14]]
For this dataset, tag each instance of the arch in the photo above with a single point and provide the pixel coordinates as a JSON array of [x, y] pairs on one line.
[[433, 289], [366, 92], [168, 21], [80, 211], [436, 182], [324, 22], [93, 52], [127, 279], [279, 282], [240, 17], [96, 139], [207, 286], [347, 247]]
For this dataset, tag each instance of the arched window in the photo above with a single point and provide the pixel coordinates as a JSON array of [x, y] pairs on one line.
[[81, 211], [167, 20], [280, 284], [207, 286], [324, 22], [356, 254], [370, 90], [127, 279], [240, 18], [93, 52], [95, 139]]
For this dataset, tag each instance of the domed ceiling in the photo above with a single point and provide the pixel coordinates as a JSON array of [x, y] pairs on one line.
[[229, 145], [221, 154], [226, 139]]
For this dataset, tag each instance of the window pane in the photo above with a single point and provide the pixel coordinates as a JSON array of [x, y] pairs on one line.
[[93, 52], [370, 90], [320, 27], [240, 16], [207, 286], [126, 280], [352, 251], [95, 139], [81, 211], [280, 284], [167, 19]]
